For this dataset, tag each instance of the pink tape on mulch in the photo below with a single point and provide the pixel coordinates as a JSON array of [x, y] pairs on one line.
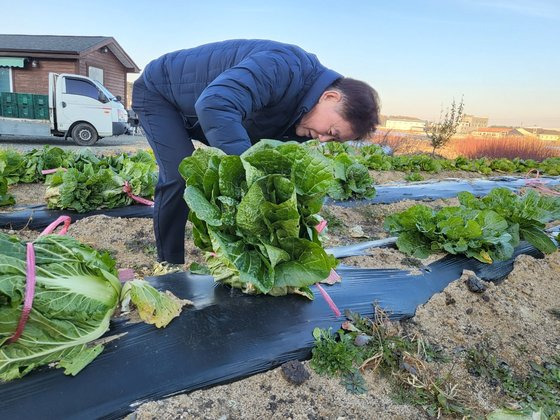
[[328, 299], [62, 219], [29, 293], [128, 190]]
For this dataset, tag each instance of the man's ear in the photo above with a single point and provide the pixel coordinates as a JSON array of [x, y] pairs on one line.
[[331, 95]]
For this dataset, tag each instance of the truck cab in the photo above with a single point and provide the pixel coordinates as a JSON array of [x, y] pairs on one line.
[[83, 109]]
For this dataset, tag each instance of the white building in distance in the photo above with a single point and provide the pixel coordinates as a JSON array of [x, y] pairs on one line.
[[471, 123], [401, 123]]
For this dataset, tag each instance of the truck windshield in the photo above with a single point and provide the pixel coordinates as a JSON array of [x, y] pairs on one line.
[[103, 89]]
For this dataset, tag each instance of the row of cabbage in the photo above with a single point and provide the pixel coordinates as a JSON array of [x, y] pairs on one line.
[[89, 182], [373, 157], [79, 181], [86, 182]]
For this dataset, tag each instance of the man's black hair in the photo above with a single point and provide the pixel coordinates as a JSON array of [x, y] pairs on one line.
[[360, 106]]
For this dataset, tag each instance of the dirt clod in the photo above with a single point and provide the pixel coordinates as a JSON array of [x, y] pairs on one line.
[[474, 284], [295, 372], [449, 300]]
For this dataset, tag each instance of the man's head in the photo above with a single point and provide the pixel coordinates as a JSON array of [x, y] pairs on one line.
[[347, 110]]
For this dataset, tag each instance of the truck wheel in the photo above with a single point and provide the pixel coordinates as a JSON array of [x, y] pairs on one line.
[[84, 134]]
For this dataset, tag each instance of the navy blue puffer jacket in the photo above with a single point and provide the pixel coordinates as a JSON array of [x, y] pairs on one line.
[[240, 91]]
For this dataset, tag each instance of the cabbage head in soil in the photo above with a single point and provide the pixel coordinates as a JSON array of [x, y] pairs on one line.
[[254, 215], [76, 293], [487, 228]]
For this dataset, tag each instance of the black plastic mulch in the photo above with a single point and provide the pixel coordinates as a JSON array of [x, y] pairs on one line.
[[226, 337]]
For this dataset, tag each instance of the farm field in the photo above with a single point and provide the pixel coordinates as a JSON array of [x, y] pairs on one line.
[[515, 323]]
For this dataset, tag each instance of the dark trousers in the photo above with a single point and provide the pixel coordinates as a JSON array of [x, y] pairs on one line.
[[165, 130]]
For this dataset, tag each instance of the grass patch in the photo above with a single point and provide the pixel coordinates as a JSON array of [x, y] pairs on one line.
[[379, 344], [334, 354], [370, 212], [334, 224], [507, 147], [150, 250], [538, 391]]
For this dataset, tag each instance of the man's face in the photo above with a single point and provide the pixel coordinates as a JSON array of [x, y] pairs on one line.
[[324, 121]]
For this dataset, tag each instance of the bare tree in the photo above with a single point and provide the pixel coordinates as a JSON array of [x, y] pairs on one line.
[[441, 132]]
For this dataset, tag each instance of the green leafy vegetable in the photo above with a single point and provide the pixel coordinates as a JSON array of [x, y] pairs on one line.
[[153, 306], [414, 176], [487, 229], [352, 179], [5, 198], [92, 184], [76, 293], [254, 215]]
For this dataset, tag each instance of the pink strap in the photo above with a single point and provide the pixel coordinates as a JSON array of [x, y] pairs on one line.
[[62, 219], [535, 180], [128, 190], [538, 184], [332, 278], [126, 274], [328, 299], [29, 293], [52, 171], [30, 278], [320, 226]]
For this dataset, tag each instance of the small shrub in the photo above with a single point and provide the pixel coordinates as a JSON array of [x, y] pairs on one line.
[[441, 132], [414, 176], [333, 355]]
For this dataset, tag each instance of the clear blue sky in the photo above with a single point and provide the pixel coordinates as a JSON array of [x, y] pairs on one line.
[[501, 55]]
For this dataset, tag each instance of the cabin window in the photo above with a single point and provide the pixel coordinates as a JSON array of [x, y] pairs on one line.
[[82, 87], [96, 73]]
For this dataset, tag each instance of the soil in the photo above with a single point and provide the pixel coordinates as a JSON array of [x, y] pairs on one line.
[[517, 318], [349, 225]]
